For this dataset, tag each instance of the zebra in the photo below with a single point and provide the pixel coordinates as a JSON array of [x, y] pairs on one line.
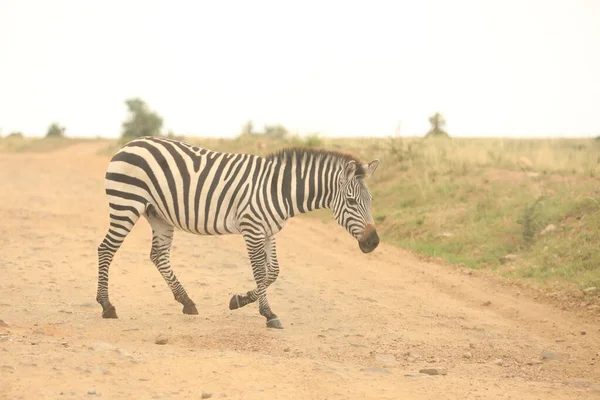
[[176, 185]]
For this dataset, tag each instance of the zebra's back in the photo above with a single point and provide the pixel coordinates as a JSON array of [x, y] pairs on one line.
[[194, 189]]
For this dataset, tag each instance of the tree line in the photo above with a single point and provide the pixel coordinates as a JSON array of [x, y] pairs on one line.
[[143, 121]]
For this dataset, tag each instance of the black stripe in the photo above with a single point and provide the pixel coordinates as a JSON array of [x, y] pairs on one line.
[[193, 156], [201, 179], [140, 162], [120, 218], [239, 160], [265, 183], [255, 181], [129, 180], [128, 196], [115, 233], [119, 207], [119, 226], [275, 190], [299, 184], [185, 178], [331, 179], [241, 182], [213, 186], [311, 182], [320, 175], [286, 185], [164, 166]]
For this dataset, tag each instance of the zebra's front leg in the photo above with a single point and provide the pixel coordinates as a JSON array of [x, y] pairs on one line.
[[257, 251]]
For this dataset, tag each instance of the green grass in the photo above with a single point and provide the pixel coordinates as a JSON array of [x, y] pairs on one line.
[[473, 201]]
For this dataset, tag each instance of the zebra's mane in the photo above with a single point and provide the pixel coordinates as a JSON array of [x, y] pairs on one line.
[[302, 152]]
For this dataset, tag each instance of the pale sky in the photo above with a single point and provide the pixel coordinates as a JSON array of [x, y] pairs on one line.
[[519, 68]]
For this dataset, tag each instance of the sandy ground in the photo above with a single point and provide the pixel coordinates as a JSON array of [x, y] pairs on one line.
[[356, 326]]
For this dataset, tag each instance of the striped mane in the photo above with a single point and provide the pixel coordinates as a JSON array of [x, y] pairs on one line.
[[287, 154]]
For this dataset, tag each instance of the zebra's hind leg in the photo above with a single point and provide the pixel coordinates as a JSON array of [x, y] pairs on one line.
[[122, 220], [258, 258], [162, 238]]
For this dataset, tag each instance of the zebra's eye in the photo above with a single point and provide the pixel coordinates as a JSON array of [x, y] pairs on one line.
[[351, 202]]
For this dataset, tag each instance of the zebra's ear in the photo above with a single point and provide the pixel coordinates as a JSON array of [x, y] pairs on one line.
[[349, 170], [372, 167]]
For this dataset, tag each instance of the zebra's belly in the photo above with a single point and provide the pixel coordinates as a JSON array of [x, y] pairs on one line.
[[200, 223]]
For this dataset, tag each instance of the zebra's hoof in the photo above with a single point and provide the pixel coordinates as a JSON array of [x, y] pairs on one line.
[[274, 323], [236, 302], [109, 312], [190, 309]]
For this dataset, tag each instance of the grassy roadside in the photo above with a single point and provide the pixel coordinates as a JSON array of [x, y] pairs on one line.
[[36, 145], [470, 202], [474, 202]]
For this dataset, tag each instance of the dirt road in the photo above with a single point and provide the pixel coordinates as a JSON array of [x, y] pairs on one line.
[[356, 326]]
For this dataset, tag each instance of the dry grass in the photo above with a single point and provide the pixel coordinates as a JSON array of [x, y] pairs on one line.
[[467, 201], [36, 145]]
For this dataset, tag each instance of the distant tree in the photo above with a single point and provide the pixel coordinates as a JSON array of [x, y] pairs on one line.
[[15, 135], [142, 121], [248, 128], [275, 131], [438, 123], [55, 131]]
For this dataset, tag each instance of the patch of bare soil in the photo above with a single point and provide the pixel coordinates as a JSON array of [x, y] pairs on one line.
[[356, 326]]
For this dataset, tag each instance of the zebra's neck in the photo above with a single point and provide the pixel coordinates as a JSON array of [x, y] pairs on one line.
[[308, 179]]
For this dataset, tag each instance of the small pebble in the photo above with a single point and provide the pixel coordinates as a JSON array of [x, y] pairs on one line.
[[206, 395], [385, 357], [376, 369], [160, 339], [549, 356]]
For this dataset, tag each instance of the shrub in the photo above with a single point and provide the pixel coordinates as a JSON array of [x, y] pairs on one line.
[[275, 131], [437, 122], [55, 131], [142, 121], [528, 222], [313, 140], [248, 128], [15, 135]]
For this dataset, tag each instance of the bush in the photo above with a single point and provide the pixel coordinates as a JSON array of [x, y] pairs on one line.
[[437, 122], [528, 222], [55, 131], [142, 121], [313, 140], [15, 135], [275, 131], [248, 128]]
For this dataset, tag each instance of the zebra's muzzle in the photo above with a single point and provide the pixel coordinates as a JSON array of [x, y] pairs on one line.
[[370, 240]]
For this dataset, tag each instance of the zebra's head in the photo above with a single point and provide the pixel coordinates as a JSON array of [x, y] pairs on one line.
[[352, 205]]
